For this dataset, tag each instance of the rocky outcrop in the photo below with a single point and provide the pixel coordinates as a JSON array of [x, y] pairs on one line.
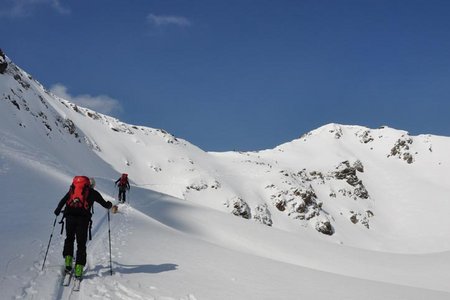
[[296, 196], [262, 215], [401, 149], [3, 62], [241, 208], [69, 126], [362, 218], [365, 136], [299, 202], [324, 226], [337, 131], [203, 185], [348, 173], [197, 186]]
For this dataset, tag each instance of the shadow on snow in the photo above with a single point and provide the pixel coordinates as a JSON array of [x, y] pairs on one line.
[[131, 269]]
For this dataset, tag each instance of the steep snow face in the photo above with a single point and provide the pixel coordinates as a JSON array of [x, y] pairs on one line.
[[369, 188]]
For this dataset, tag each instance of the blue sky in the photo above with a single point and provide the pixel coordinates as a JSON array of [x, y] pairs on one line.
[[241, 74]]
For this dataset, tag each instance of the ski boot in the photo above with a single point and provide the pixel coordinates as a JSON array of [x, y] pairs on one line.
[[79, 271], [78, 277], [68, 264]]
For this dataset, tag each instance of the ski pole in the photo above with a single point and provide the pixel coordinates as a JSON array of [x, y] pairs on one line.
[[109, 234], [49, 241]]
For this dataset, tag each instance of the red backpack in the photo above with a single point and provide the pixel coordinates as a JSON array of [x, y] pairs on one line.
[[78, 193], [123, 180]]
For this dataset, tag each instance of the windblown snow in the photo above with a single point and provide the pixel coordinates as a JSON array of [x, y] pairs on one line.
[[342, 212]]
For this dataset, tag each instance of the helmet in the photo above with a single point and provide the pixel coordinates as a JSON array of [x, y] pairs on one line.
[[92, 180]]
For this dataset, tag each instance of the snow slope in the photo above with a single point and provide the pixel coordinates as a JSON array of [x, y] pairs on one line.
[[343, 212]]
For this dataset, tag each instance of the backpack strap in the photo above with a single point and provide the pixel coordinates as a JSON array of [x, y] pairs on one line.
[[90, 229], [62, 223]]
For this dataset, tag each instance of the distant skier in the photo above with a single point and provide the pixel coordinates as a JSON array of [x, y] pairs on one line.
[[78, 203], [124, 186]]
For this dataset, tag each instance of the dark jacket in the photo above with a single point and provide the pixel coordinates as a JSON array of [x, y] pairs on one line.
[[123, 187], [93, 196]]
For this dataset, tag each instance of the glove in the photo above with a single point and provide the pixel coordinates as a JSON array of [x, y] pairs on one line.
[[57, 212]]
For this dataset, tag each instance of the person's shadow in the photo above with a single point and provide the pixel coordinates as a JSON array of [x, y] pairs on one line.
[[130, 269], [151, 269]]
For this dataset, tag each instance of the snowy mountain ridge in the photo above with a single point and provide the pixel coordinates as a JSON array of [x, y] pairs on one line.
[[302, 180], [374, 189]]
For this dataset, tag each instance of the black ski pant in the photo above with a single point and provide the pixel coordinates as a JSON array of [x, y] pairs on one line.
[[76, 228], [122, 194]]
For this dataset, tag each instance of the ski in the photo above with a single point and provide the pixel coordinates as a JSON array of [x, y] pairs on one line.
[[76, 284], [67, 278]]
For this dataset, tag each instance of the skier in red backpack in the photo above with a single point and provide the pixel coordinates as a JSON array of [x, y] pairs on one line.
[[78, 203], [123, 185]]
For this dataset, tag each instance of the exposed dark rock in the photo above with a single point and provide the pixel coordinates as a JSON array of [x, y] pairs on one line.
[[358, 166], [280, 205], [94, 116], [401, 145], [337, 133], [401, 150], [308, 196], [70, 127], [23, 83], [325, 227], [197, 186], [216, 185], [361, 191], [3, 62], [362, 218], [344, 171], [408, 157], [353, 180], [366, 137], [75, 108], [15, 104], [47, 126], [262, 215], [241, 208], [348, 173]]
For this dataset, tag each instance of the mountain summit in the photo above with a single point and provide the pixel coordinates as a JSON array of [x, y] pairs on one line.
[[375, 190]]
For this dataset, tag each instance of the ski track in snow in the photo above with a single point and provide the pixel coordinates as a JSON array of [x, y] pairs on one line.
[[97, 282]]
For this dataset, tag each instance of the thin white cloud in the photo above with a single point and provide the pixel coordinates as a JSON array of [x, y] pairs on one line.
[[56, 4], [25, 8], [161, 20], [102, 103]]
